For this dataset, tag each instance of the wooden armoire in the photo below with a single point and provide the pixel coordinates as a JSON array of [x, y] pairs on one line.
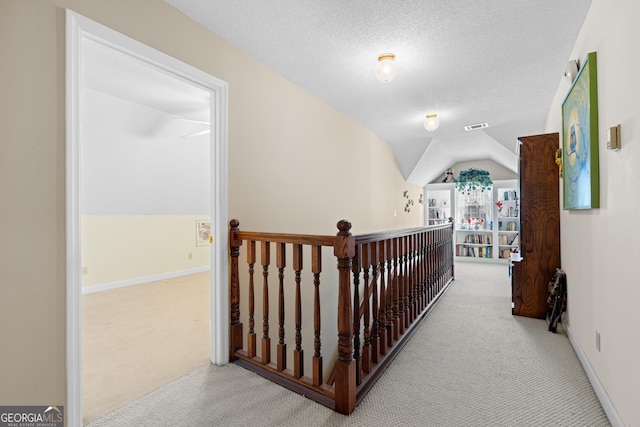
[[539, 225]]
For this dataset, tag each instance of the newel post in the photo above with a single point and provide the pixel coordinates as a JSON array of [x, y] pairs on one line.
[[235, 329], [345, 368]]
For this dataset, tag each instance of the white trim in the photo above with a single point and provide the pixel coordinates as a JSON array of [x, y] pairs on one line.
[[77, 28], [603, 397], [140, 280], [219, 210], [72, 194]]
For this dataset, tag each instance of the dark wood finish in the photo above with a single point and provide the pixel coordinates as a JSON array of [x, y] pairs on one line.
[[374, 320], [539, 225], [355, 268], [298, 354], [265, 257], [235, 327], [366, 348], [316, 269], [281, 348], [345, 366], [251, 336]]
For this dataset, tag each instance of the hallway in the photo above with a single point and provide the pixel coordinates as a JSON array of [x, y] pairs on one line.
[[471, 363]]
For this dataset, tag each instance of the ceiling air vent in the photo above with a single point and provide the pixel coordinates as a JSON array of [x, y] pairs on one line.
[[476, 126]]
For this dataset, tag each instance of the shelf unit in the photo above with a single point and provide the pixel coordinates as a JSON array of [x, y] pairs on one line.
[[439, 202], [487, 242], [474, 235], [508, 219]]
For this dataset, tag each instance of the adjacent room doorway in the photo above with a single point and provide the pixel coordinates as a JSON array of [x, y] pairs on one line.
[[201, 119]]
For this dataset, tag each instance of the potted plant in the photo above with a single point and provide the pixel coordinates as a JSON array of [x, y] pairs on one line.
[[473, 179]]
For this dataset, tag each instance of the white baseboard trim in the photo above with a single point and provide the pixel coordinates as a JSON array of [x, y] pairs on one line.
[[139, 280], [606, 403]]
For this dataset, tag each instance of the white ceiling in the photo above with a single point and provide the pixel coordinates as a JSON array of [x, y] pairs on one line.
[[498, 61], [469, 61]]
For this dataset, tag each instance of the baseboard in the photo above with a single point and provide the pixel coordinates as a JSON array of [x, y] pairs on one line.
[[603, 397], [140, 280]]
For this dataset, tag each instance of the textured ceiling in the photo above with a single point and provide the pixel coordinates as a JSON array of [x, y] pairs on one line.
[[498, 61]]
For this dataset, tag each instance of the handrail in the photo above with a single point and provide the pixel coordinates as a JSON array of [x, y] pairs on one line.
[[403, 273]]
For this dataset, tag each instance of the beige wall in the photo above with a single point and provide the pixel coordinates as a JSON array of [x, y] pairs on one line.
[[294, 165], [118, 248], [600, 247]]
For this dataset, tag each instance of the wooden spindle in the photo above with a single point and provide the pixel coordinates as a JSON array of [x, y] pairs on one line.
[[399, 296], [375, 327], [406, 303], [281, 348], [316, 269], [391, 282], [298, 359], [366, 348], [413, 286], [345, 384], [266, 341], [423, 269], [251, 336], [382, 307], [355, 267]]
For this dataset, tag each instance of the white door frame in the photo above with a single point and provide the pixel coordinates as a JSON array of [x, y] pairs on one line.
[[77, 28]]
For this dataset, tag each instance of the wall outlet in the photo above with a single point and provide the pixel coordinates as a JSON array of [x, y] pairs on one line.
[[190, 256], [597, 340], [85, 270]]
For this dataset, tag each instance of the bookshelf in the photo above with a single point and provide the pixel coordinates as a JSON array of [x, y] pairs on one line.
[[508, 219], [497, 231], [439, 203], [474, 235]]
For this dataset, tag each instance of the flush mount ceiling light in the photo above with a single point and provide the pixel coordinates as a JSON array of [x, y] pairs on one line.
[[476, 126], [386, 69], [432, 122]]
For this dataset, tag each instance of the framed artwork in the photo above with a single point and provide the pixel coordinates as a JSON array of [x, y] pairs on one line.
[[581, 181], [203, 233]]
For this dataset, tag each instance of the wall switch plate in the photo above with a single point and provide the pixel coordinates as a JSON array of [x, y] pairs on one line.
[[597, 340]]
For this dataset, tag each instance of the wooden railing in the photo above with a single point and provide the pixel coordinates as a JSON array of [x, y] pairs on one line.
[[396, 278]]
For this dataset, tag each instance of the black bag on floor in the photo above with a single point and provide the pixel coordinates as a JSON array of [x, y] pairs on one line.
[[557, 300]]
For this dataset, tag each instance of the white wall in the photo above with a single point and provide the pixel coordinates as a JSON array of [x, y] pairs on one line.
[[128, 169], [600, 247], [496, 171]]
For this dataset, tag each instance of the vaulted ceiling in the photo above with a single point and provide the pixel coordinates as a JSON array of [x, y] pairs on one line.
[[469, 61]]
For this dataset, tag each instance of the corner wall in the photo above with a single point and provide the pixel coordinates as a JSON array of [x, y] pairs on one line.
[[599, 247]]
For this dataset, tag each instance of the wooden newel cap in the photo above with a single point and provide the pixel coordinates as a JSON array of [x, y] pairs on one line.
[[344, 245], [344, 226], [234, 223]]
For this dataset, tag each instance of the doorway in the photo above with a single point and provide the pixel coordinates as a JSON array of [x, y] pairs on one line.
[[83, 33]]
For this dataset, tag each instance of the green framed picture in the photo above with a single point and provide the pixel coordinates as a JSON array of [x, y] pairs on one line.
[[580, 171]]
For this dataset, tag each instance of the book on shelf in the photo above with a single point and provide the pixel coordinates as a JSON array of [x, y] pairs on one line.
[[514, 241], [483, 239], [510, 195]]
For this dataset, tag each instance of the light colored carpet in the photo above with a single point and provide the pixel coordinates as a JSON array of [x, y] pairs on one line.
[[139, 338], [471, 363]]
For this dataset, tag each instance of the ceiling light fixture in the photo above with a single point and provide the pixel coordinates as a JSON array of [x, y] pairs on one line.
[[432, 122], [386, 69]]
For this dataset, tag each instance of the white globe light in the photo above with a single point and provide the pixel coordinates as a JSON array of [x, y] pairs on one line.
[[432, 122], [386, 69]]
